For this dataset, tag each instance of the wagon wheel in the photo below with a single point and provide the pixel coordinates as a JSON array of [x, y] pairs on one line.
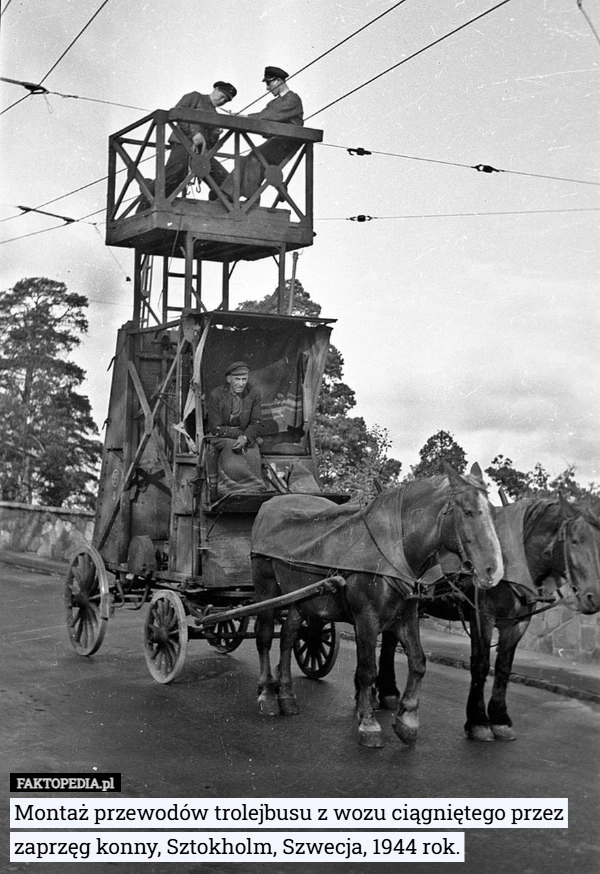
[[228, 626], [316, 647], [165, 636], [87, 601]]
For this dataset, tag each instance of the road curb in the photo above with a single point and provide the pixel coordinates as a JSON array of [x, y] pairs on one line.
[[52, 567], [538, 682]]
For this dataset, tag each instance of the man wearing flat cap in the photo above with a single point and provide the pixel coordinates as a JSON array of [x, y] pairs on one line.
[[286, 108], [234, 424], [202, 137]]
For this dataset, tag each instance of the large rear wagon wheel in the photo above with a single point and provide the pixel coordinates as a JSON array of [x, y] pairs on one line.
[[225, 645], [165, 636], [87, 601], [316, 647]]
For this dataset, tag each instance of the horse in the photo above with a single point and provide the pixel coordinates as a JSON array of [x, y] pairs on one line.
[[547, 543], [382, 552]]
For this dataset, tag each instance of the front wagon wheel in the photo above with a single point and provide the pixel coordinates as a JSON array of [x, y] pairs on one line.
[[316, 647], [87, 601], [165, 636]]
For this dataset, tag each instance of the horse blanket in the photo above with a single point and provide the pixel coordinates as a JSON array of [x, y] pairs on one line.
[[312, 531]]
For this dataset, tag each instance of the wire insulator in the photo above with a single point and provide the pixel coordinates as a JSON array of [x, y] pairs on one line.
[[359, 151], [360, 218], [486, 168]]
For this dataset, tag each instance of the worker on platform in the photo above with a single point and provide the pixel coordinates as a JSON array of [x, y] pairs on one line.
[[202, 137], [285, 108], [234, 426]]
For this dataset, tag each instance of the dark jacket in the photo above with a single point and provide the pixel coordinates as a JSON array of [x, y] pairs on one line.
[[285, 110], [195, 100], [219, 411]]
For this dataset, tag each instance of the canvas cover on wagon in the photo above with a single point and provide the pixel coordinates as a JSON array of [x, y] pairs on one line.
[[286, 358], [309, 530]]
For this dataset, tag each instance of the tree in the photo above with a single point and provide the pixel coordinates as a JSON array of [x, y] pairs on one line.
[[515, 483], [352, 457], [441, 447], [537, 482], [48, 452]]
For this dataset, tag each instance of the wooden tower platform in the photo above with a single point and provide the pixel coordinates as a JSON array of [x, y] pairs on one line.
[[207, 224]]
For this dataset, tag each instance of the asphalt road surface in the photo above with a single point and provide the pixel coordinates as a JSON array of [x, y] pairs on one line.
[[202, 738]]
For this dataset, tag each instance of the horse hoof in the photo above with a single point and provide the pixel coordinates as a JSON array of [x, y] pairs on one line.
[[407, 735], [504, 732], [389, 702], [288, 705], [268, 706], [370, 739], [479, 733]]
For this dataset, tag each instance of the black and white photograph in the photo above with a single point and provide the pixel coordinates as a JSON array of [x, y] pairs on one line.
[[299, 454]]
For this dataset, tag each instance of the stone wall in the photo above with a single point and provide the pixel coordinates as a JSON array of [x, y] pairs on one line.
[[54, 533], [48, 532]]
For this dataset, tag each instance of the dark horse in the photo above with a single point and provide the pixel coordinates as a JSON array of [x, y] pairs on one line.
[[381, 551], [546, 544]]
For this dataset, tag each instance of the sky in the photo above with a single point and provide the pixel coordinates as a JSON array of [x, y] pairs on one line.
[[468, 303]]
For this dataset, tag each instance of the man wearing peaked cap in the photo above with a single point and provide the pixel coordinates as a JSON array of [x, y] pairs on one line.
[[286, 108], [227, 89], [274, 73], [237, 368], [202, 137], [234, 424]]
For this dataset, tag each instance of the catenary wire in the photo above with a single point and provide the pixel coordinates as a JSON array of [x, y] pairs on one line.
[[361, 151], [589, 20], [55, 65], [410, 57], [333, 48], [359, 218], [482, 168]]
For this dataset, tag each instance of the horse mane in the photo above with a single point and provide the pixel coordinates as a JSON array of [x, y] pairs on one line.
[[538, 509], [438, 485]]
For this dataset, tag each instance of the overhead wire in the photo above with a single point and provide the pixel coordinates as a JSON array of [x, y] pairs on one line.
[[360, 218], [55, 65], [481, 168], [358, 151], [333, 48], [40, 89], [589, 20], [410, 57]]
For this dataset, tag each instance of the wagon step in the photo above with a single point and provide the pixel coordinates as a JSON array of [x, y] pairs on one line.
[[329, 584]]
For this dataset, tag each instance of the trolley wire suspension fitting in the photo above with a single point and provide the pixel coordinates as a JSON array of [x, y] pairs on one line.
[[64, 218], [33, 89]]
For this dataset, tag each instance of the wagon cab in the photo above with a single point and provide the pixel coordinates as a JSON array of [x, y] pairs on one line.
[[156, 528], [154, 513]]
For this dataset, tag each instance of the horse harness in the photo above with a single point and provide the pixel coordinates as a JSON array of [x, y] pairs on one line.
[[429, 573]]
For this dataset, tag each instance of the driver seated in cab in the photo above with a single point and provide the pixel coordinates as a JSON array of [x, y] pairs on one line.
[[234, 426]]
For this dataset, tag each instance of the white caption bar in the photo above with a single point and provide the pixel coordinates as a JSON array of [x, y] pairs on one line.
[[295, 813], [237, 847]]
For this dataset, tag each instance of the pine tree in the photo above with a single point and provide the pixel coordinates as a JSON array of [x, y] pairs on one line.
[[48, 451]]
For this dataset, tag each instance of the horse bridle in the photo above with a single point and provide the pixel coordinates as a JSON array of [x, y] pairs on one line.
[[558, 553], [448, 509], [466, 563]]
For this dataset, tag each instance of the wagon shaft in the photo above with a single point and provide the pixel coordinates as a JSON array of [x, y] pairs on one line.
[[328, 584]]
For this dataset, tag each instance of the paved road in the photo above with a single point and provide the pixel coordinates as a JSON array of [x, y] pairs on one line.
[[201, 737]]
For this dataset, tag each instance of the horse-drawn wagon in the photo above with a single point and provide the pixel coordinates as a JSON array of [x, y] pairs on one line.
[[164, 535], [158, 535]]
